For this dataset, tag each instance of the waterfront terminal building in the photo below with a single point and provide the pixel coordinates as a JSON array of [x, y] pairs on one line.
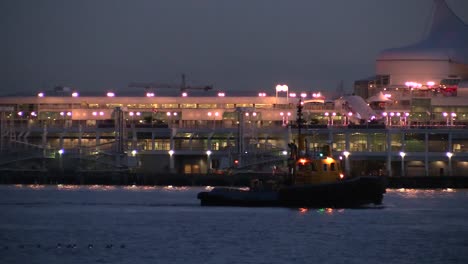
[[409, 120]]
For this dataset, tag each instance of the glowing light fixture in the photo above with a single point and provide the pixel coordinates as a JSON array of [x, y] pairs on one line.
[[282, 88]]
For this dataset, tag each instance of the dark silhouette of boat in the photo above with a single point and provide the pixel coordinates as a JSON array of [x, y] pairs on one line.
[[314, 180], [348, 193]]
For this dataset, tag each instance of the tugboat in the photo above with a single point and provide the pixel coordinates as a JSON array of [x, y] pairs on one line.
[[314, 180]]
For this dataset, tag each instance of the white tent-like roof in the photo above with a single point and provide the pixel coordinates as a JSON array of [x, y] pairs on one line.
[[379, 97], [447, 40]]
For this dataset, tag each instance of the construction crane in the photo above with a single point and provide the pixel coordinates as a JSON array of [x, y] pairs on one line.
[[183, 86]]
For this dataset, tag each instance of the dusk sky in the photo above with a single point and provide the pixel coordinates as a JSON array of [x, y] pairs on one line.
[[96, 45]]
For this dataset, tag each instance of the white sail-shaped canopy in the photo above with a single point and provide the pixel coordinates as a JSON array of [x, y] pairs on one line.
[[443, 53], [447, 39]]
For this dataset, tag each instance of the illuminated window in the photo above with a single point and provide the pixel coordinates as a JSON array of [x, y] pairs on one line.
[[188, 106]]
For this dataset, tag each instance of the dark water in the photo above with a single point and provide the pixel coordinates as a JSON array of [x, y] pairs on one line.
[[73, 224]]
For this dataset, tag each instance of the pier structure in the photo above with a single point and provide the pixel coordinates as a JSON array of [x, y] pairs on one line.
[[211, 134]]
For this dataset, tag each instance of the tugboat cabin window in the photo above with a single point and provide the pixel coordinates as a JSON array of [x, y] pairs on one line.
[[325, 167], [313, 167], [332, 166]]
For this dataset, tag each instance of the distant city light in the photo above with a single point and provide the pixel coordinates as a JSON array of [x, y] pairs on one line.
[[282, 88], [62, 113], [208, 152], [449, 154], [110, 94], [413, 84], [61, 151], [138, 113], [184, 94], [430, 83], [316, 95], [303, 95], [261, 94], [33, 114], [292, 95], [149, 94], [94, 113], [131, 113], [134, 152], [171, 152], [41, 94], [69, 113], [20, 113], [75, 94], [221, 94], [101, 113]]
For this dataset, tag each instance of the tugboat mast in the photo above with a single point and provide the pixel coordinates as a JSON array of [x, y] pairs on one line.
[[299, 121]]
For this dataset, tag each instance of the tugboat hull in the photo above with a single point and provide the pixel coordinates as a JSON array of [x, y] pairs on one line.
[[355, 192], [350, 193]]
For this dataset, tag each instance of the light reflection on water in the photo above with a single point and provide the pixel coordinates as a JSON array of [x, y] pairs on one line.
[[72, 187], [166, 224], [420, 193]]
